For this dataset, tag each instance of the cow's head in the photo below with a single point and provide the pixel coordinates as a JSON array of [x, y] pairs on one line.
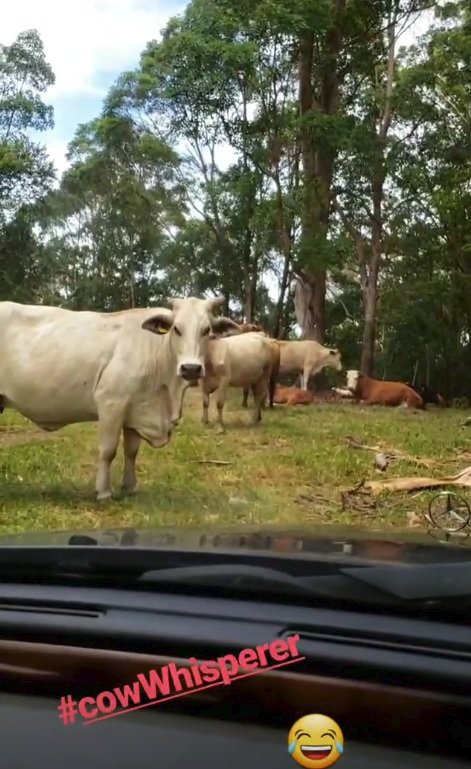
[[334, 359], [353, 377], [190, 324], [247, 328]]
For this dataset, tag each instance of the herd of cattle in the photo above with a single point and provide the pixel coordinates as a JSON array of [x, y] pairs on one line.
[[129, 371]]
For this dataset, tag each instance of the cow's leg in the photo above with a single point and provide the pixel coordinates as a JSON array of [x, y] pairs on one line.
[[305, 377], [109, 431], [220, 403], [259, 391], [205, 416], [132, 442], [245, 397]]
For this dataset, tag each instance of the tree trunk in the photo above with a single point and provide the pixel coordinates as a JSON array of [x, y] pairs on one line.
[[318, 160], [309, 305], [308, 298], [369, 329], [284, 228], [281, 304], [310, 212], [370, 291], [250, 279]]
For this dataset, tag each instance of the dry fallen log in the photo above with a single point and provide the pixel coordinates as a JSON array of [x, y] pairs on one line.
[[462, 478]]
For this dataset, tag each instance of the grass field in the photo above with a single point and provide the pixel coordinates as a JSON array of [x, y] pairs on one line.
[[290, 469]]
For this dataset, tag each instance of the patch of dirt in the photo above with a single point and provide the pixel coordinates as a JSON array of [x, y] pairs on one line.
[[12, 437]]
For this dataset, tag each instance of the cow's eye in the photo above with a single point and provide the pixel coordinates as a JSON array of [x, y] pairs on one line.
[[177, 331], [206, 331]]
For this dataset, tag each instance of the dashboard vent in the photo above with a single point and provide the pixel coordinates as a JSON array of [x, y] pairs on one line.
[[53, 608]]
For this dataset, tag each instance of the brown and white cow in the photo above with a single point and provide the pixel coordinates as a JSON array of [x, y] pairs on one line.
[[307, 358], [375, 392], [244, 360], [293, 396], [126, 370]]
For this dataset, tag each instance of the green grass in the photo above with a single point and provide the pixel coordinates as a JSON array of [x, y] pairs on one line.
[[288, 470]]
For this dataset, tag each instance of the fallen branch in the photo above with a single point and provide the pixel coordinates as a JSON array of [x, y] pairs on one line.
[[411, 484], [211, 462], [353, 502], [390, 453]]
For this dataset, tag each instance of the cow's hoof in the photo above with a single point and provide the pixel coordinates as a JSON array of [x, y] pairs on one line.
[[103, 496], [129, 492], [221, 429]]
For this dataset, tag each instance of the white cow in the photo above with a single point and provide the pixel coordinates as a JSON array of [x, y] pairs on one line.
[[307, 358], [245, 360], [59, 367]]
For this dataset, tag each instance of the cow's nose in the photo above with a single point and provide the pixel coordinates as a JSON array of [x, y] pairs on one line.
[[191, 371]]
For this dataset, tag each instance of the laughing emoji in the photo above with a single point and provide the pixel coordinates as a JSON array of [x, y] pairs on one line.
[[315, 741]]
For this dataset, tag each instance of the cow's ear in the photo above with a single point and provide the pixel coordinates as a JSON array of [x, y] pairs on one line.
[[160, 323], [215, 303], [220, 326]]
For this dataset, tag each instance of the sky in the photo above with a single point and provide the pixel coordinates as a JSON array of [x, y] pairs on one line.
[[89, 43]]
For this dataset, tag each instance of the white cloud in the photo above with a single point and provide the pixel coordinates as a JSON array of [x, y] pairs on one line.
[[87, 38], [57, 149]]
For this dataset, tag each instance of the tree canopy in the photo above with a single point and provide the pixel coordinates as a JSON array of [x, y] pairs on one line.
[[257, 146]]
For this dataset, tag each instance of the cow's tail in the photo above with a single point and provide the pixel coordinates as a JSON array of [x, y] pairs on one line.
[[2, 404], [275, 368]]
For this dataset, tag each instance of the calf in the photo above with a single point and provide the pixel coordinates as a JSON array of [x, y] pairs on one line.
[[293, 396], [126, 370], [245, 360], [375, 392]]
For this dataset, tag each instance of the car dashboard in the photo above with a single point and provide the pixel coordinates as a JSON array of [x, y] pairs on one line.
[[398, 687]]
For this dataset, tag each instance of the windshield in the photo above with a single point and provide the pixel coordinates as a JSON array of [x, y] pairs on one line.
[[235, 251]]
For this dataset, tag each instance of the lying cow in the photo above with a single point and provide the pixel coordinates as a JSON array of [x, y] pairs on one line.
[[127, 370], [307, 358], [375, 392], [293, 396], [245, 360]]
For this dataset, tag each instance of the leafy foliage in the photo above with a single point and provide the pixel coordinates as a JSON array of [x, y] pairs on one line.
[[253, 143]]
